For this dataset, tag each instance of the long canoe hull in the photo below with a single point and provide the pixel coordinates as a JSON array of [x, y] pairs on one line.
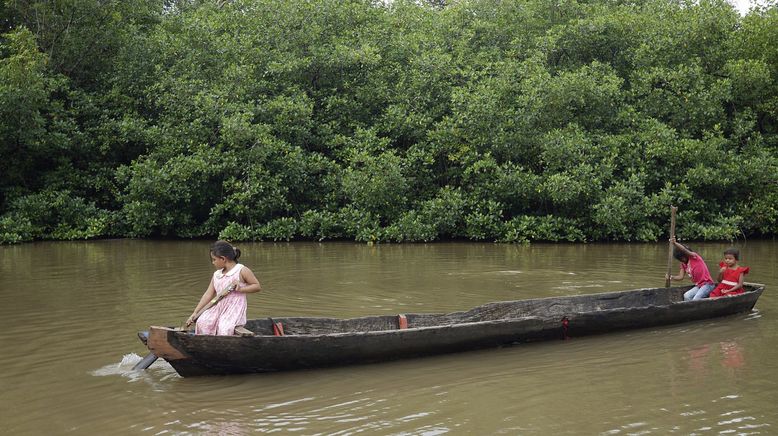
[[322, 342]]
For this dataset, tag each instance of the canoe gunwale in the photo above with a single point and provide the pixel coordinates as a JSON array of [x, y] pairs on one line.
[[757, 289]]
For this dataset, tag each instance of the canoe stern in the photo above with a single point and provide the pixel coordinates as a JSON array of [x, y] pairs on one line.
[[161, 342]]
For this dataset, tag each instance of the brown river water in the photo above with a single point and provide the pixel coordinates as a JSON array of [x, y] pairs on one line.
[[70, 312]]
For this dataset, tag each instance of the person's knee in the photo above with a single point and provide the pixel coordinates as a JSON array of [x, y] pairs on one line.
[[226, 329]]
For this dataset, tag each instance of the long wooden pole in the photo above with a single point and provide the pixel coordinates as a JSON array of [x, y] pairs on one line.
[[671, 247]]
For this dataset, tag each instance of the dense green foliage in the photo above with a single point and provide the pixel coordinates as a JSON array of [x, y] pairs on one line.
[[511, 121]]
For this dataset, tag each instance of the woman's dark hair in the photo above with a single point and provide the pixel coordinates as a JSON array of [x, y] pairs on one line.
[[680, 255], [225, 249], [734, 252]]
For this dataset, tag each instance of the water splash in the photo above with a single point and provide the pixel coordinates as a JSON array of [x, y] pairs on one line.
[[124, 368]]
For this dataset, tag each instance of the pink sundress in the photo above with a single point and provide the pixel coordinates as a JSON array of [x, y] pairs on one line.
[[228, 313]]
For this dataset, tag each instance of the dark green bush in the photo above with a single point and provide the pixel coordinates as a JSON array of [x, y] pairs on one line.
[[387, 121], [55, 215]]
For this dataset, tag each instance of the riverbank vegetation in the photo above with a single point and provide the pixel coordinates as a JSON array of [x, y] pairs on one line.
[[488, 120]]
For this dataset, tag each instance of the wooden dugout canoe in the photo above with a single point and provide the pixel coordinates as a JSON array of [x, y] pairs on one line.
[[321, 342]]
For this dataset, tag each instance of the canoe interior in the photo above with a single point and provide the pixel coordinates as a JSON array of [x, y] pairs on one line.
[[540, 307]]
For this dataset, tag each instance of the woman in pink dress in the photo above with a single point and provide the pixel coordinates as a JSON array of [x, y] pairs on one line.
[[230, 312], [730, 275]]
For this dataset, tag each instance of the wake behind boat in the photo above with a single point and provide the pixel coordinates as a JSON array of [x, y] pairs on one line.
[[280, 344]]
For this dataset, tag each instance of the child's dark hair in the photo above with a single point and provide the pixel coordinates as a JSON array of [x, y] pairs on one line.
[[225, 249], [680, 255], [733, 251]]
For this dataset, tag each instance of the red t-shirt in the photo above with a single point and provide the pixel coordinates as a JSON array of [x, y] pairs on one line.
[[697, 270]]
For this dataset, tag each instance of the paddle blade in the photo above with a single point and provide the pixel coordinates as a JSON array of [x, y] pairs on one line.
[[145, 362]]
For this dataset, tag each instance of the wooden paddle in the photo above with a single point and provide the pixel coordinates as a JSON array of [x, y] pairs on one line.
[[151, 357], [672, 248], [210, 304]]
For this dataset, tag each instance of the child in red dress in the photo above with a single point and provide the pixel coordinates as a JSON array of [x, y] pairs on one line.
[[730, 275]]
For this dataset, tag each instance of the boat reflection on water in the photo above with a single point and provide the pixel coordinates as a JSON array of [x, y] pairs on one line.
[[729, 354], [717, 373], [732, 354], [698, 358]]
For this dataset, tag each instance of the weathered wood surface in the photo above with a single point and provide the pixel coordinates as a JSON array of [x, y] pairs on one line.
[[320, 342]]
